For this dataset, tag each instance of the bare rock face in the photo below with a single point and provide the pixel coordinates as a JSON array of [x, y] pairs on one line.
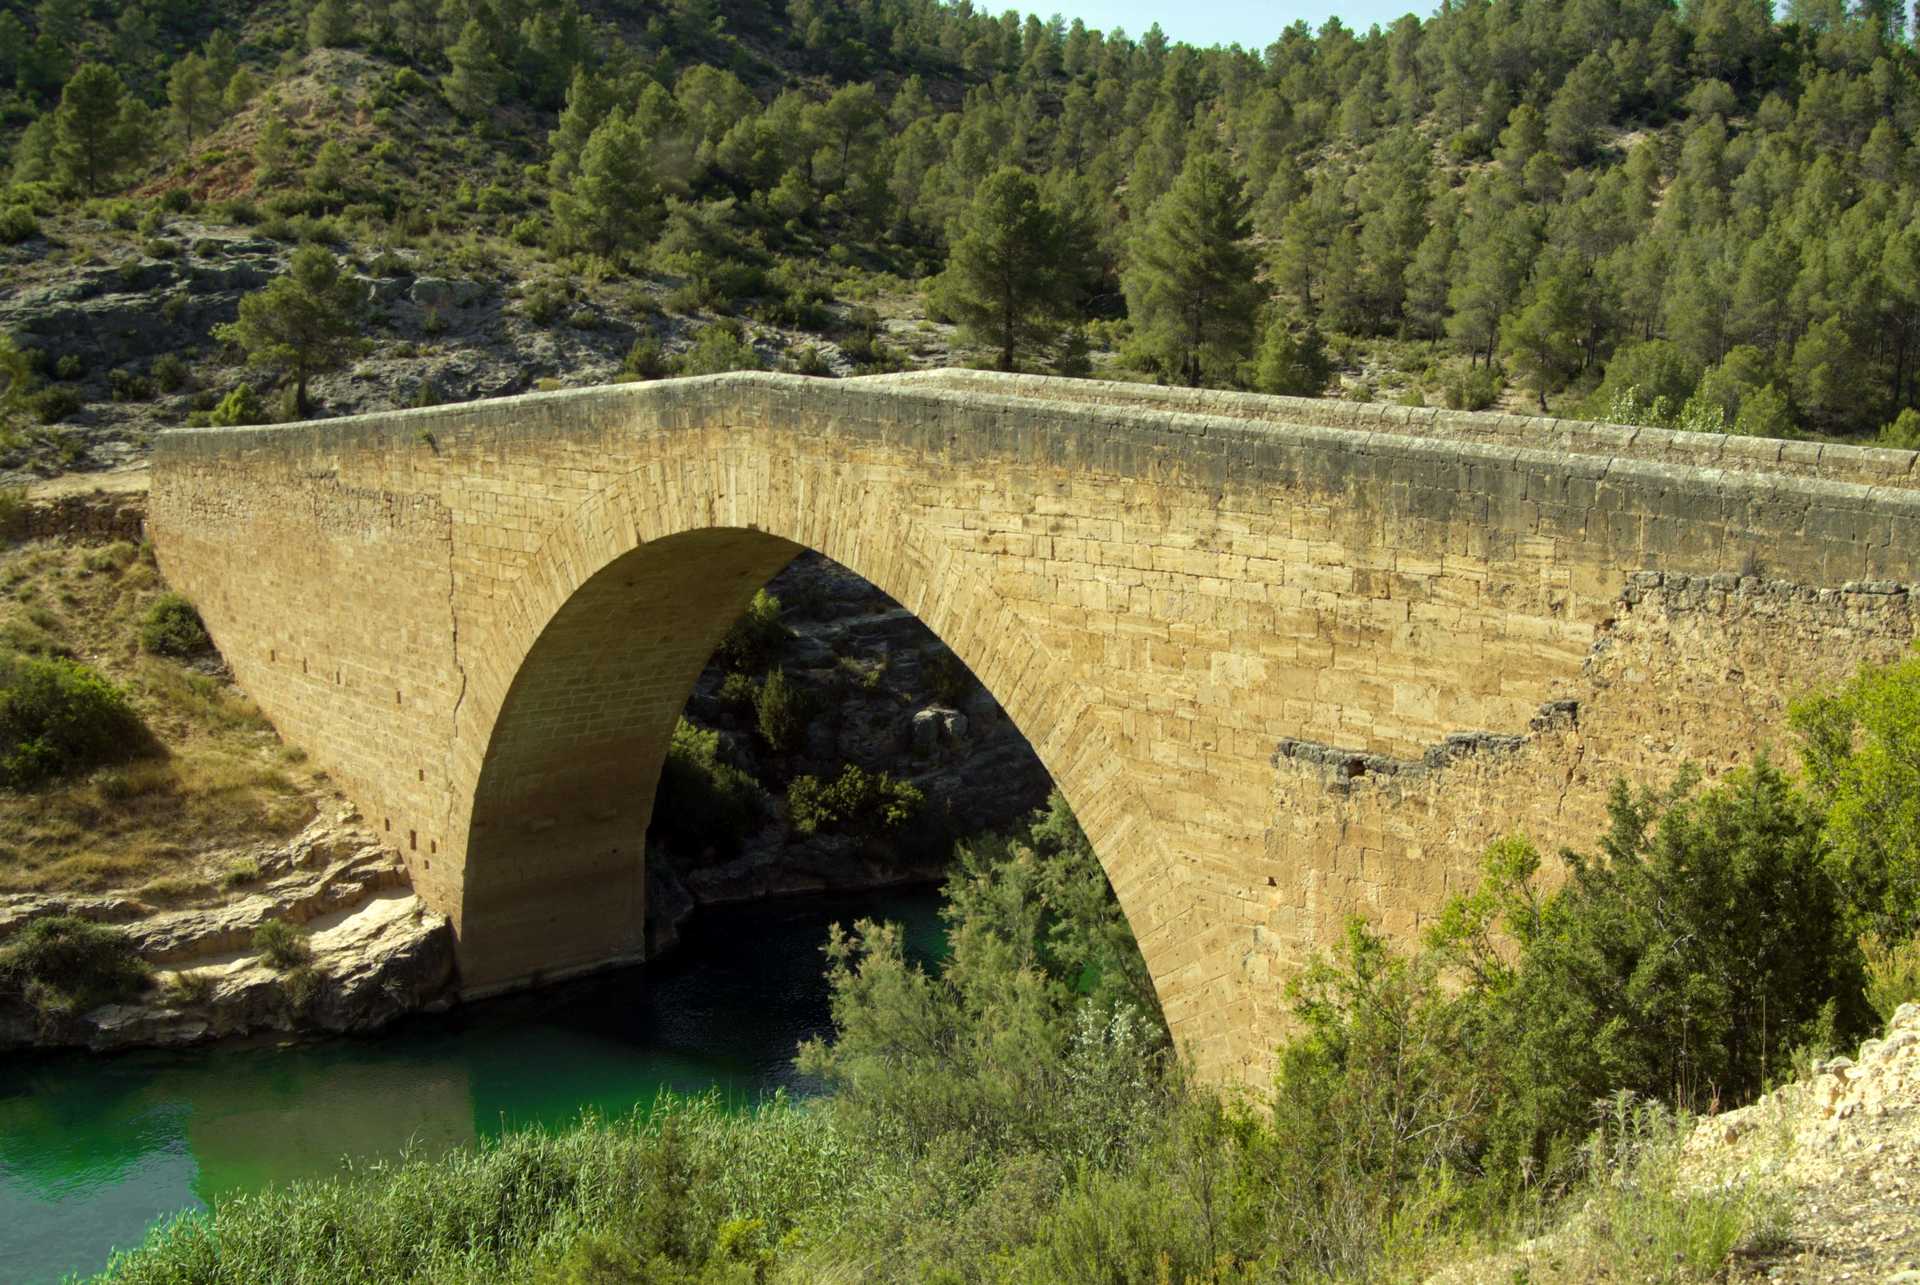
[[376, 952]]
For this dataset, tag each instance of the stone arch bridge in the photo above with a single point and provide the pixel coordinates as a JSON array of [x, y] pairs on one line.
[[1288, 660]]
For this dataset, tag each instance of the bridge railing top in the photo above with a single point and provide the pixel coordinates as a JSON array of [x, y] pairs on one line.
[[1827, 461]]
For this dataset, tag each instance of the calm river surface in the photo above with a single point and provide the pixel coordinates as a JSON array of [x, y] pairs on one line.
[[94, 1149]]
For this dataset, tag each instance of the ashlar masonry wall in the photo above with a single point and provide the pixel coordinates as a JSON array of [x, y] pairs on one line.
[[1288, 660]]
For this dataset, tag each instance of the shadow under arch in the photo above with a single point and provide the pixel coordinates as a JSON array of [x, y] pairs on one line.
[[618, 629]]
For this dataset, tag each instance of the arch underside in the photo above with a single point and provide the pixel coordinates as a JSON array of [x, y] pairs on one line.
[[554, 878]]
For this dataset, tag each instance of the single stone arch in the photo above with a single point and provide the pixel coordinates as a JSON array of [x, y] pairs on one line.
[[563, 735], [1290, 660]]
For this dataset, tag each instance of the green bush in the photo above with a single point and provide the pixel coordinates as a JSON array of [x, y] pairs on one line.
[[781, 712], [170, 373], [171, 627], [1893, 973], [1040, 1032], [284, 945], [238, 408], [17, 224], [717, 349], [1860, 746], [755, 638], [1687, 964], [702, 800], [738, 692], [56, 402], [60, 964], [1474, 389], [857, 801], [646, 361], [1290, 364], [59, 716]]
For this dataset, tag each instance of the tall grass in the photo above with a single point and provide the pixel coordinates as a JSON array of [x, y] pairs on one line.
[[670, 1179]]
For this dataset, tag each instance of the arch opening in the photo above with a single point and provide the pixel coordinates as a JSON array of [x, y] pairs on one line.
[[832, 745], [557, 872]]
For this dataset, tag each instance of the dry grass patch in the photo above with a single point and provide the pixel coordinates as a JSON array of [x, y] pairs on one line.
[[213, 776]]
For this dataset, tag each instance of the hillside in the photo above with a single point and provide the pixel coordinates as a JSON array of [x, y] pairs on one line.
[[1702, 218]]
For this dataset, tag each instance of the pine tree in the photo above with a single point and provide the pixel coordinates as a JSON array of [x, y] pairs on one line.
[[1542, 341], [1290, 364], [302, 323], [273, 150], [193, 100], [329, 25], [473, 84], [1190, 280], [97, 129], [589, 99], [613, 206], [1008, 281]]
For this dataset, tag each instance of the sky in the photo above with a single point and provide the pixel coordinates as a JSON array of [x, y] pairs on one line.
[[1251, 23]]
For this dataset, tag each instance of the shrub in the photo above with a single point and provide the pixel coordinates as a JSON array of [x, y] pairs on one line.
[[59, 716], [1903, 433], [108, 558], [128, 386], [703, 800], [1068, 1057], [17, 224], [1860, 746], [240, 872], [170, 373], [1893, 973], [646, 361], [737, 692], [238, 408], [753, 639], [1687, 963], [807, 360], [172, 627], [284, 945], [543, 301], [60, 964], [780, 711], [857, 801], [56, 402], [1474, 389], [303, 985], [189, 990], [1290, 364], [719, 348]]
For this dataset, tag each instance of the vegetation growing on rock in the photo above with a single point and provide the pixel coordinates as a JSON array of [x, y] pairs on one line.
[[59, 965]]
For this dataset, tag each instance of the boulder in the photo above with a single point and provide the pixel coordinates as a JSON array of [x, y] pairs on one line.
[[441, 293]]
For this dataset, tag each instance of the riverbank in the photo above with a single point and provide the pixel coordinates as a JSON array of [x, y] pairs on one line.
[[95, 1150], [373, 951]]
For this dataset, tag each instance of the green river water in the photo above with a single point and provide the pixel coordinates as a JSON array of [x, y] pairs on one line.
[[93, 1149]]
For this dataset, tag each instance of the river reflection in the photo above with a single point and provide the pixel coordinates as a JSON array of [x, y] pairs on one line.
[[94, 1149]]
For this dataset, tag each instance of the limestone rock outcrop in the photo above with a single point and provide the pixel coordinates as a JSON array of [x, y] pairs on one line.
[[377, 952]]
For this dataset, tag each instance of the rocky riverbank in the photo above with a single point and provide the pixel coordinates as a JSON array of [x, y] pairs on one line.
[[376, 950]]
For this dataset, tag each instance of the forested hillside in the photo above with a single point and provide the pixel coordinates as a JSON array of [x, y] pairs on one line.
[[1700, 215]]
